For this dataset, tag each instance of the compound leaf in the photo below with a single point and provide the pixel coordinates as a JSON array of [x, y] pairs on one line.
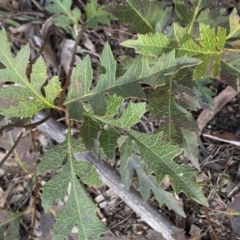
[[24, 98], [108, 141], [97, 14], [140, 14], [147, 182], [203, 90], [209, 48], [157, 156], [230, 68], [82, 99], [234, 26], [89, 132], [178, 120], [188, 13], [79, 210], [67, 15], [130, 116]]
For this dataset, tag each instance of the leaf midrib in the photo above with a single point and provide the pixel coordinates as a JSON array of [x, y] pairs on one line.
[[23, 79]]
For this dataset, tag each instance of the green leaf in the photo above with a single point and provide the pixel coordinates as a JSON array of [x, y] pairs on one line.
[[190, 147], [12, 220], [82, 99], [234, 25], [64, 7], [151, 44], [186, 97], [142, 15], [188, 13], [89, 132], [79, 209], [204, 91], [157, 156], [213, 17], [79, 90], [178, 121], [108, 141], [97, 14], [147, 183], [230, 68], [161, 103], [209, 48], [163, 23], [126, 149], [24, 98], [131, 115]]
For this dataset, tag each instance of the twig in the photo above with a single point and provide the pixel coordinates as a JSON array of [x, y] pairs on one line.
[[67, 83], [17, 14], [31, 125], [34, 208], [11, 150]]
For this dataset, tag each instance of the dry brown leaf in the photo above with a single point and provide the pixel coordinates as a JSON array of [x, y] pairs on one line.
[[178, 233], [195, 232], [152, 235]]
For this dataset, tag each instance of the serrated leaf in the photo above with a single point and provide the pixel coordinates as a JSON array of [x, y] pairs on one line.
[[130, 116], [96, 14], [89, 132], [114, 119], [161, 103], [209, 48], [230, 68], [12, 220], [234, 25], [142, 15], [64, 7], [79, 210], [87, 173], [126, 173], [108, 142], [147, 183], [204, 91], [166, 16], [157, 156], [54, 158], [141, 70], [25, 96], [177, 119], [190, 147], [213, 17], [186, 97], [153, 144], [188, 13], [81, 82]]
